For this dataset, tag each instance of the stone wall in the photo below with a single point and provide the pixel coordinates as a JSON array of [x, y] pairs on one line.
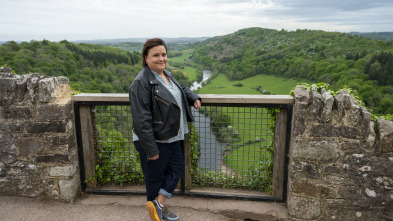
[[38, 153], [341, 163]]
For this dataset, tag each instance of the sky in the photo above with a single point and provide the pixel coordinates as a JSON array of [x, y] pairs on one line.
[[55, 20]]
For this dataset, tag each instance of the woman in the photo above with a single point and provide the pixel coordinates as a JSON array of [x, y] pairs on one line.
[[160, 109]]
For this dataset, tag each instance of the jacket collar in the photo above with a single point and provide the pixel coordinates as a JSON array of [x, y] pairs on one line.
[[152, 79]]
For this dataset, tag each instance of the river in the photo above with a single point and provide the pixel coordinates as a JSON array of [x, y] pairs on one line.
[[210, 149], [206, 75]]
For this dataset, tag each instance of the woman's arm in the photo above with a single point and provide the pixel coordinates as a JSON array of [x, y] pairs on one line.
[[140, 100], [192, 97]]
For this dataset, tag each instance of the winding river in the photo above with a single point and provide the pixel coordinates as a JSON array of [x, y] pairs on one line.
[[206, 75], [210, 149]]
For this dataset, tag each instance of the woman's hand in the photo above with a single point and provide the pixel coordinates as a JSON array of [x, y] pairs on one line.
[[197, 104], [154, 158]]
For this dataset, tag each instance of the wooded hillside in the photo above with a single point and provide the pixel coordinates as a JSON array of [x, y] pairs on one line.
[[331, 57], [90, 68]]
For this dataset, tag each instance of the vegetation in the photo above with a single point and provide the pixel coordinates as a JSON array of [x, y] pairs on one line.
[[90, 68], [259, 84], [384, 36], [335, 58]]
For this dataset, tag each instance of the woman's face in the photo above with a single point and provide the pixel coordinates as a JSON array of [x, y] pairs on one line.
[[157, 59]]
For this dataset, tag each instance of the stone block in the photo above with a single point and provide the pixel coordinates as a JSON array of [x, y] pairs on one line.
[[366, 123], [333, 169], [6, 144], [304, 208], [321, 150], [32, 86], [333, 180], [316, 104], [48, 88], [304, 170], [61, 142], [2, 170], [69, 188], [63, 80], [300, 116], [352, 193], [8, 90], [342, 101], [55, 111], [47, 127], [301, 95], [25, 85], [311, 188], [50, 112], [350, 132], [327, 100], [18, 113], [5, 71], [355, 116], [339, 212], [27, 146], [325, 130], [385, 135], [63, 171], [350, 146], [10, 127], [370, 138], [56, 158]]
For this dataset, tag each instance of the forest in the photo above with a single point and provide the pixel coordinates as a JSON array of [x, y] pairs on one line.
[[338, 59]]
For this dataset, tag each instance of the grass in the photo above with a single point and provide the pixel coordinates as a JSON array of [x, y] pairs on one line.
[[191, 73], [275, 85], [252, 126], [186, 55], [252, 147], [247, 156]]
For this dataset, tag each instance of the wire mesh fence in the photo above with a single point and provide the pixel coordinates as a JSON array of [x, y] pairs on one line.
[[117, 161], [232, 147]]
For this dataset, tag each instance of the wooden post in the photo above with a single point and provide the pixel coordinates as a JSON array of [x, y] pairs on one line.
[[187, 160], [88, 144], [279, 153]]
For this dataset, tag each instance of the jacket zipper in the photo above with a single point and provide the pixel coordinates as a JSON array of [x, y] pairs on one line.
[[161, 100], [166, 100]]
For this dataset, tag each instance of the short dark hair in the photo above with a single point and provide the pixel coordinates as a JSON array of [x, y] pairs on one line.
[[150, 43]]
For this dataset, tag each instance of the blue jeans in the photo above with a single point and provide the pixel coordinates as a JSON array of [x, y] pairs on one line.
[[162, 175]]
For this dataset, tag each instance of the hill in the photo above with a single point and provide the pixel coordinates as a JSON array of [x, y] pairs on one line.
[[90, 68], [336, 58], [384, 36]]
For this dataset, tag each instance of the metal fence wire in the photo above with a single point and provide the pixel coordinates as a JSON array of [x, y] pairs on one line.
[[235, 147], [117, 161], [232, 147]]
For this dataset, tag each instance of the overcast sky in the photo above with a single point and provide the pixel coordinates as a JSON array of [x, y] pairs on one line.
[[24, 20]]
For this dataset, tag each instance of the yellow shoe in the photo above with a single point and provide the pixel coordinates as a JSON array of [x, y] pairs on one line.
[[154, 209]]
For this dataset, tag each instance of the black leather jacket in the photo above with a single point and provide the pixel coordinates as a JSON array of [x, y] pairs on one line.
[[155, 112]]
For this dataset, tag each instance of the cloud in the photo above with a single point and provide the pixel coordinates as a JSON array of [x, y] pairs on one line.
[[76, 19]]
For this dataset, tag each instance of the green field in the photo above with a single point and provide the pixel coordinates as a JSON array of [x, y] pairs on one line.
[[275, 85], [185, 56], [252, 147], [249, 138], [191, 73]]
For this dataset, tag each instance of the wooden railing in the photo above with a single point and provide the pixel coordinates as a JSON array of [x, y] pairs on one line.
[[84, 102]]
